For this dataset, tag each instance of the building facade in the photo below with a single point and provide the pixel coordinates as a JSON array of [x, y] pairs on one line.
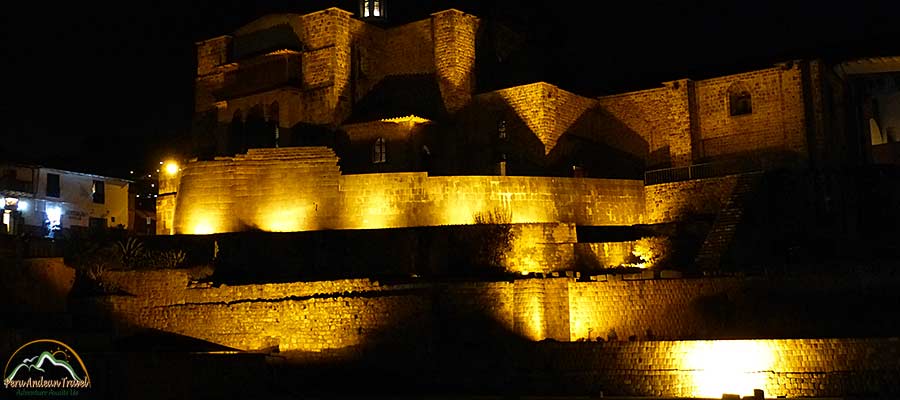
[[373, 104], [44, 201]]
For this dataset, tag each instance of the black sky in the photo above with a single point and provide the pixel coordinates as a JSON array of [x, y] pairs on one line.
[[106, 89]]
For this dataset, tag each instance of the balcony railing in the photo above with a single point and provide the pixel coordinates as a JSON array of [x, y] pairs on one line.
[[707, 170]]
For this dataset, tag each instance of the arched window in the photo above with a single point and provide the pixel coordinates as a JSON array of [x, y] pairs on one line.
[[739, 100], [379, 151]]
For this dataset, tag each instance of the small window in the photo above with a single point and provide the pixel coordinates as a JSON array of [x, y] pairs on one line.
[[371, 8], [501, 129], [52, 185], [739, 102], [379, 151], [98, 192]]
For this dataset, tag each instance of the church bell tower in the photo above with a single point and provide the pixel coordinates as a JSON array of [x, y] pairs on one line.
[[372, 10]]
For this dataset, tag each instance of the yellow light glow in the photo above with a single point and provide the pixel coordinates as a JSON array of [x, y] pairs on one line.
[[286, 219], [535, 329], [458, 214], [203, 228], [727, 366], [375, 214], [171, 167]]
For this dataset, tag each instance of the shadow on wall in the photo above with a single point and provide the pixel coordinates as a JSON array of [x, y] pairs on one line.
[[445, 348], [447, 251], [406, 149], [276, 37], [489, 130], [607, 146], [486, 132], [801, 221]]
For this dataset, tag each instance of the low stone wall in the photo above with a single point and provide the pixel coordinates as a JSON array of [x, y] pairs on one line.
[[347, 320], [668, 202], [302, 189], [709, 368], [541, 248], [644, 309]]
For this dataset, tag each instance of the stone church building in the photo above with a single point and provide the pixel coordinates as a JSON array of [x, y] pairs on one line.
[[329, 120]]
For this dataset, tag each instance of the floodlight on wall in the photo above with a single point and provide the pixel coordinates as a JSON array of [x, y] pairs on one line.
[[171, 167]]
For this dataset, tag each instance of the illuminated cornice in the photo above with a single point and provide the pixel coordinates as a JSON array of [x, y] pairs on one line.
[[407, 119]]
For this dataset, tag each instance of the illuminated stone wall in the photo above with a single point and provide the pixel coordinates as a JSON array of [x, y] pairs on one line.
[[546, 110], [541, 248], [341, 315], [298, 317], [559, 308], [322, 94], [709, 368], [454, 56], [650, 115], [297, 189], [343, 319], [268, 189], [416, 199], [409, 49], [340, 61], [645, 308], [673, 201], [777, 119]]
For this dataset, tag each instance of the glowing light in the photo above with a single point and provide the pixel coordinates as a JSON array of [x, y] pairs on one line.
[[203, 228], [727, 366], [376, 212], [54, 214], [23, 206], [458, 214], [535, 308], [171, 167], [285, 219], [6, 217]]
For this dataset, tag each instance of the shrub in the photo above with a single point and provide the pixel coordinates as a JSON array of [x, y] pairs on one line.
[[131, 252], [650, 252]]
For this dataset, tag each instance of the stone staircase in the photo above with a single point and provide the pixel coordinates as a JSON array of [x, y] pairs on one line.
[[289, 153], [722, 232]]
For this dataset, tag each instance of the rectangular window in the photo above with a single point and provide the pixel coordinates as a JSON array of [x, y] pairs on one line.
[[98, 192], [52, 185]]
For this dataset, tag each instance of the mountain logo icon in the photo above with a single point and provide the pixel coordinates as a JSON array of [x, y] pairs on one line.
[[46, 364]]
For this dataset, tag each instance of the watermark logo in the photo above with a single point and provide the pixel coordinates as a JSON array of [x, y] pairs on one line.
[[45, 367]]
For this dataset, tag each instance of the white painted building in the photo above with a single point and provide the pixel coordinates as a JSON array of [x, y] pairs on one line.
[[39, 198]]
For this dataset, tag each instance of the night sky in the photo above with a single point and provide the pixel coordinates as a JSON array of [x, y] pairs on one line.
[[104, 89]]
